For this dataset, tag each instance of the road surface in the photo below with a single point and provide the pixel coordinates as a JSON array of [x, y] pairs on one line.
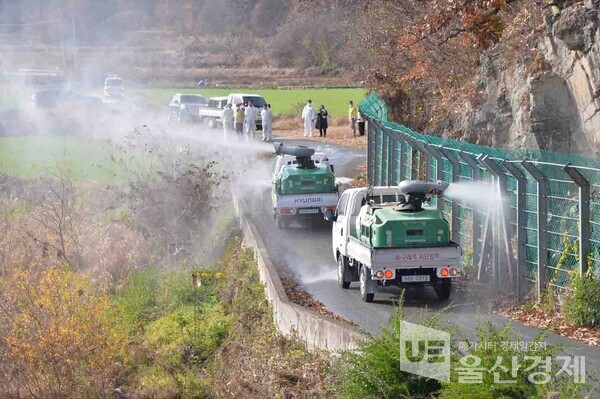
[[306, 255]]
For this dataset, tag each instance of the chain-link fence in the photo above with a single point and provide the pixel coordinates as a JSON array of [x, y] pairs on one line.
[[546, 231]]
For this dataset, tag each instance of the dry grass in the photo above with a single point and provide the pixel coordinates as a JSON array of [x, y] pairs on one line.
[[338, 133], [256, 361]]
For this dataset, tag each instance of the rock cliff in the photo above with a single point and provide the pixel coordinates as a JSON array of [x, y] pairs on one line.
[[552, 104]]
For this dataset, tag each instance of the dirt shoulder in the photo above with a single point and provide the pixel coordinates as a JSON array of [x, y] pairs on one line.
[[338, 133]]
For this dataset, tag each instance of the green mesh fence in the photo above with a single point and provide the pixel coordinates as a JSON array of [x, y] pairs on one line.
[[397, 153]]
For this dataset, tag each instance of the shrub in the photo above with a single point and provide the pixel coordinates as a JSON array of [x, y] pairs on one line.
[[374, 370], [581, 306], [494, 344]]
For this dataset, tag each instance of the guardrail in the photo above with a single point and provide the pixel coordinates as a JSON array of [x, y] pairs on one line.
[[548, 230], [316, 330]]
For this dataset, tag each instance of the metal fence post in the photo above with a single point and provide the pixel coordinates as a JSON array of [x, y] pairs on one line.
[[475, 214], [521, 223], [370, 150], [542, 224], [455, 204], [584, 216], [420, 147], [435, 153], [402, 158], [493, 168]]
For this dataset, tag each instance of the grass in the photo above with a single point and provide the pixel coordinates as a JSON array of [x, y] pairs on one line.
[[283, 101], [33, 156]]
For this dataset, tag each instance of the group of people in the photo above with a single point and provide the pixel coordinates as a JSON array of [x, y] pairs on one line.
[[309, 117], [242, 120]]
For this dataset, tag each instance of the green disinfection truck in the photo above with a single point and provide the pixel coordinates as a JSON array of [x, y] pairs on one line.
[[304, 185], [384, 236]]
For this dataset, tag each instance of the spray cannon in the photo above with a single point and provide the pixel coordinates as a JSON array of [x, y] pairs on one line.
[[420, 187], [416, 192], [302, 153]]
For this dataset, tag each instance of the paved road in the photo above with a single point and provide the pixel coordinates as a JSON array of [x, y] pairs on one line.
[[306, 254]]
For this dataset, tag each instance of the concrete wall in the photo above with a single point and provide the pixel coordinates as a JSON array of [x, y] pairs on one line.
[[317, 331]]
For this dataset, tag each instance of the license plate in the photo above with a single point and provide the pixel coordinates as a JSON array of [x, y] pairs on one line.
[[415, 279], [307, 211]]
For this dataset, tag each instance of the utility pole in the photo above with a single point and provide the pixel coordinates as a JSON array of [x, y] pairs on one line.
[[74, 36], [62, 36]]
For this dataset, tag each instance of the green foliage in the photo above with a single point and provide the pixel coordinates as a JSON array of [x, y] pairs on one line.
[[187, 335], [374, 370], [137, 303], [548, 301], [491, 345], [467, 262], [581, 306]]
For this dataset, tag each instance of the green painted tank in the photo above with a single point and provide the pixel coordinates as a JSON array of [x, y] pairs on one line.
[[296, 180], [304, 175], [387, 227]]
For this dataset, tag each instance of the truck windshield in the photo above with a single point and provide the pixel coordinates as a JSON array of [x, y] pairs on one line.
[[192, 99], [257, 102], [114, 82]]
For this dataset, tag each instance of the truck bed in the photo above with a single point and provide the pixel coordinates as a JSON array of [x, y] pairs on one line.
[[404, 258]]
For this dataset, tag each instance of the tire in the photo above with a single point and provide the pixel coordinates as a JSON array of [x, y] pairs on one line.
[[279, 222], [211, 123], [365, 279], [443, 289], [343, 271]]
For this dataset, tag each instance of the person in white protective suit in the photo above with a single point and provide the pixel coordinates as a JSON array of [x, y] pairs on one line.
[[250, 121], [227, 118], [266, 122], [308, 116]]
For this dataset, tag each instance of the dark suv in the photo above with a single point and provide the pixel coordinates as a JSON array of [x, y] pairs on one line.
[[185, 107]]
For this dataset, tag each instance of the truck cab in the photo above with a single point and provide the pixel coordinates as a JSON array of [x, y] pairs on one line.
[[114, 87], [379, 240], [304, 186]]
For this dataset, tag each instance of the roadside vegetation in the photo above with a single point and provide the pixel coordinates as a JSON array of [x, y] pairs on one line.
[[135, 284], [374, 370]]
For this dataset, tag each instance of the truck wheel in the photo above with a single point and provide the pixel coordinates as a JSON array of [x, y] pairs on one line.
[[343, 272], [279, 221], [443, 289], [365, 281], [211, 123]]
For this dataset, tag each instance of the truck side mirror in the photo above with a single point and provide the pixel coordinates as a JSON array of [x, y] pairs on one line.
[[332, 169], [330, 216]]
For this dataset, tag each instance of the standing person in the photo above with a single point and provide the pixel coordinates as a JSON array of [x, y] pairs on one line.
[[250, 121], [308, 117], [266, 123], [239, 122], [352, 116], [361, 124], [227, 118], [322, 121]]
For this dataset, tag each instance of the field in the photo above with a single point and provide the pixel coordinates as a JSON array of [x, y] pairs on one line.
[[283, 101], [33, 156]]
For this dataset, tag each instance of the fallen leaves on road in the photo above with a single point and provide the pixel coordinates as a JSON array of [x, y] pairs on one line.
[[536, 317], [303, 298]]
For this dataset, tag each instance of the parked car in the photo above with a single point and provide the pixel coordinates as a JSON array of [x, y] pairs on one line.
[[186, 107], [54, 98], [211, 115], [114, 87], [257, 103]]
